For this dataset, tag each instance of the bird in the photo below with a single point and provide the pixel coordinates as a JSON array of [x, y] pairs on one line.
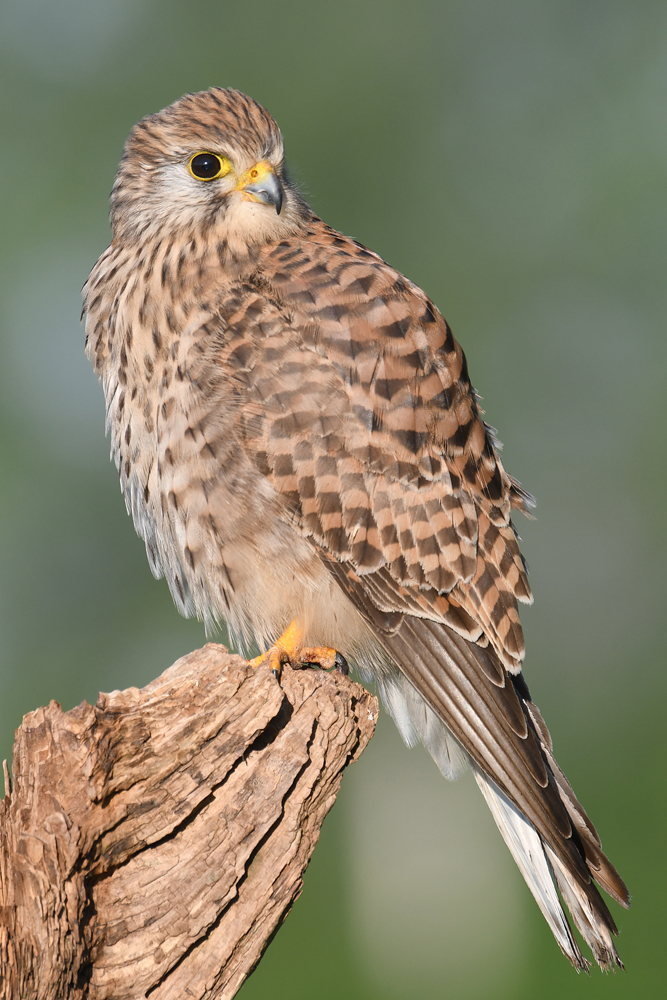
[[302, 451]]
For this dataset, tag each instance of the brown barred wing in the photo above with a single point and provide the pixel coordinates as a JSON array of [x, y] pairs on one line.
[[376, 436]]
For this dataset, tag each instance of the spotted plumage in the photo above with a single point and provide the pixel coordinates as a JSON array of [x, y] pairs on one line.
[[298, 440]]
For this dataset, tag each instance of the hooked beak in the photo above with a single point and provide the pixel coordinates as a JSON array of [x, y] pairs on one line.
[[261, 184]]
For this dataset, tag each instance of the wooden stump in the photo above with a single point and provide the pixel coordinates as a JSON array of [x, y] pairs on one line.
[[152, 844]]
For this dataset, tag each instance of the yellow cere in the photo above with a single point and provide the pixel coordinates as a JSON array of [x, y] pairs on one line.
[[255, 174]]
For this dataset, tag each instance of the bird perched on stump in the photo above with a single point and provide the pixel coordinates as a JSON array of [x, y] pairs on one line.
[[304, 456]]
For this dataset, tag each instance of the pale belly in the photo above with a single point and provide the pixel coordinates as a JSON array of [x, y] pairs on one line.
[[213, 524]]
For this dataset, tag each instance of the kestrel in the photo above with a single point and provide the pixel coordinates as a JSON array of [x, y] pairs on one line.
[[303, 454]]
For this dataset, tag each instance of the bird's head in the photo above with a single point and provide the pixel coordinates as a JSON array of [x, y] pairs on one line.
[[209, 165]]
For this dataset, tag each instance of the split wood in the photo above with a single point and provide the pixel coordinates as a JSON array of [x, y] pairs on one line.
[[152, 844]]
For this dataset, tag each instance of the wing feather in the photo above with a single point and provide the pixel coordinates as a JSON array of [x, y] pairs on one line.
[[395, 468], [370, 429]]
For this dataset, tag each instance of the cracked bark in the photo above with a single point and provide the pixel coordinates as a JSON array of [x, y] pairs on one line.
[[153, 843]]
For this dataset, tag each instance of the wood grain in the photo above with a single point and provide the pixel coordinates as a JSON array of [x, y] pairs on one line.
[[153, 843]]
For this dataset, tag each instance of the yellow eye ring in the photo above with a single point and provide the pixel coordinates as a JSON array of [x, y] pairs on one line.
[[206, 166]]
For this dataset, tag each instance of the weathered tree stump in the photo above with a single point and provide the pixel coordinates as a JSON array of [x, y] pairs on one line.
[[152, 844]]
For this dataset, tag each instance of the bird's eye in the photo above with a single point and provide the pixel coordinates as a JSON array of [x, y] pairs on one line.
[[208, 166]]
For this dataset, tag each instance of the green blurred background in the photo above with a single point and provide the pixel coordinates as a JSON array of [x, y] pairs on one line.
[[510, 156]]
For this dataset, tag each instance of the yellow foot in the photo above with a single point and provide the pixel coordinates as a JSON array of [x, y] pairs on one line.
[[324, 657], [288, 649]]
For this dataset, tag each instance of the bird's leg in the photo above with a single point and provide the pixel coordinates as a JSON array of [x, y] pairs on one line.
[[288, 649], [283, 650]]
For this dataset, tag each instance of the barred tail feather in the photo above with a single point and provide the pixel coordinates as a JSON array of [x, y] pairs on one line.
[[459, 701], [528, 851], [595, 932]]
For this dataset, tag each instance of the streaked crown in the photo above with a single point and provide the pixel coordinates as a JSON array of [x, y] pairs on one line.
[[155, 190]]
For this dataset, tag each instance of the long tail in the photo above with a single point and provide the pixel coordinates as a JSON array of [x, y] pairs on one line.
[[456, 696]]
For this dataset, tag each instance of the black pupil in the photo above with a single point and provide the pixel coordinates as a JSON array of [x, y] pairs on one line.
[[205, 165]]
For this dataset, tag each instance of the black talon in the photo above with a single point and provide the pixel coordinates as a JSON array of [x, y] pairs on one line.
[[341, 664]]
